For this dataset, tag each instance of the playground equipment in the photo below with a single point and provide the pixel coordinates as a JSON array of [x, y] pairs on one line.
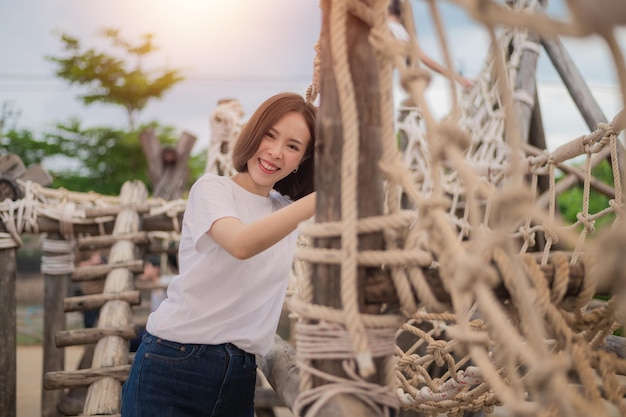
[[437, 280]]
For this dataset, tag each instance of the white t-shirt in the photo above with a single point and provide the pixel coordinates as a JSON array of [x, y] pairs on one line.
[[159, 294], [217, 298]]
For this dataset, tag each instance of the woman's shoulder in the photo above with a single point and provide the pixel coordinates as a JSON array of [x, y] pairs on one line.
[[210, 178], [280, 200]]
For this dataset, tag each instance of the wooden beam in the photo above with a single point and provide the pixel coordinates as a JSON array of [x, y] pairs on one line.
[[326, 278], [149, 224], [11, 166], [525, 83], [94, 301], [584, 100], [281, 370], [383, 291], [94, 272], [537, 138], [55, 289], [104, 395], [93, 334], [574, 82], [84, 377], [114, 210], [595, 183], [106, 241], [8, 328]]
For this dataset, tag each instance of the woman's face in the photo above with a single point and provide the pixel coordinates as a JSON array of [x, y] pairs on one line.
[[280, 152]]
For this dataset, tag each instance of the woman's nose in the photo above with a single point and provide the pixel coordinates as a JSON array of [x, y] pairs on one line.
[[276, 151]]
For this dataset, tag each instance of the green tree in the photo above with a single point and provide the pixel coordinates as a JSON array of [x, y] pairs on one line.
[[119, 81], [571, 201], [96, 159]]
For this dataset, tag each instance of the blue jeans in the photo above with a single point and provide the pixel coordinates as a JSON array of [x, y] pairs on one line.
[[175, 379]]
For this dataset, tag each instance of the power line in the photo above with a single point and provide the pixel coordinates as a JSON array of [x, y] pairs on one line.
[[253, 78]]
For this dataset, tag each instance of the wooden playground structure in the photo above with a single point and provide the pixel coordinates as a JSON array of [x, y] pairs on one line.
[[436, 279]]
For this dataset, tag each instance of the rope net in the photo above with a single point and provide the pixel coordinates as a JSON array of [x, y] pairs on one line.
[[465, 203]]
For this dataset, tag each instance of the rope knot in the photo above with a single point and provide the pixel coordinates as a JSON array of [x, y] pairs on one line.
[[454, 136], [410, 76], [527, 235], [588, 224], [437, 349]]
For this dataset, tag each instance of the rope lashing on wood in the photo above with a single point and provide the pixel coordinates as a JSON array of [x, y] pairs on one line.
[[59, 258], [19, 216], [72, 210], [171, 209], [226, 124]]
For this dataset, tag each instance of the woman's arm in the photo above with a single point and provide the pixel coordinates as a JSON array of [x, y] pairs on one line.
[[246, 240]]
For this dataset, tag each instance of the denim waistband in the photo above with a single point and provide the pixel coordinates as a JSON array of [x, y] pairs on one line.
[[226, 347]]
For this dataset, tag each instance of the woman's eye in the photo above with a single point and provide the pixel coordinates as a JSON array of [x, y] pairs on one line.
[[270, 135], [294, 147]]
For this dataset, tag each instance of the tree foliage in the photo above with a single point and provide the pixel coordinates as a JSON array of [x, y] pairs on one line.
[[83, 159], [98, 159], [119, 81], [571, 201]]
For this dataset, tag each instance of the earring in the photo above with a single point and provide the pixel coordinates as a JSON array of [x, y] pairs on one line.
[[296, 170]]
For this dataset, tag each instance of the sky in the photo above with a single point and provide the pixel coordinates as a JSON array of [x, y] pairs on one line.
[[243, 49]]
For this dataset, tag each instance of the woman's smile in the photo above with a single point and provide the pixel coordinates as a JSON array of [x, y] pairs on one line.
[[268, 167]]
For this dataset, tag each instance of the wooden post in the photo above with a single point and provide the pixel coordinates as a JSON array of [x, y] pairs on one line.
[[585, 102], [167, 166], [55, 290], [111, 351], [8, 328], [525, 83], [11, 168], [537, 137], [326, 279], [574, 82]]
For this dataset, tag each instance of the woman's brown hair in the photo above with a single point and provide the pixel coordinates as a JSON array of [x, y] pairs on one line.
[[297, 184]]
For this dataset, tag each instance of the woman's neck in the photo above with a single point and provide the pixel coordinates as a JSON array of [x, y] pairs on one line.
[[244, 180]]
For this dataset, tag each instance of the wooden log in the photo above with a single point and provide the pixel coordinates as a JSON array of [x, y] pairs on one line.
[[38, 174], [11, 166], [94, 301], [584, 100], [104, 395], [55, 289], [161, 223], [106, 241], [537, 138], [92, 335], [616, 345], [266, 398], [595, 183], [574, 82], [8, 328], [167, 167], [326, 278], [383, 290], [281, 370], [84, 377], [114, 210], [525, 83], [93, 272]]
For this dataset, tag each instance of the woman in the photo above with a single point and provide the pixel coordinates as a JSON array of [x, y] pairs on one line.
[[235, 254]]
